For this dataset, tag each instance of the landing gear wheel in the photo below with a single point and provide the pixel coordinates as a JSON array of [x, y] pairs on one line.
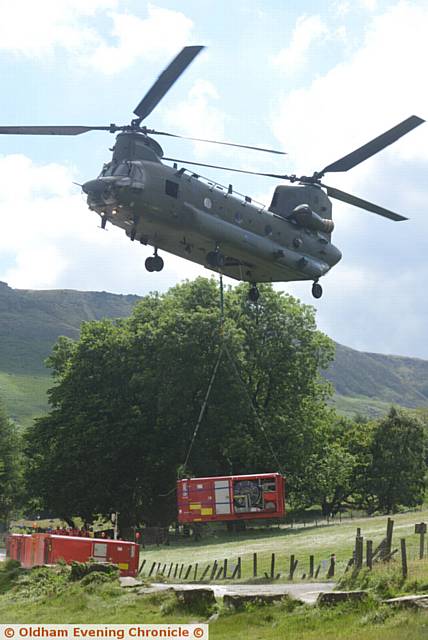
[[253, 293], [149, 264], [157, 263], [132, 234], [215, 259], [316, 290]]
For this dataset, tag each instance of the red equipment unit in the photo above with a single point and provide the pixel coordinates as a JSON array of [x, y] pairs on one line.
[[222, 498], [46, 548]]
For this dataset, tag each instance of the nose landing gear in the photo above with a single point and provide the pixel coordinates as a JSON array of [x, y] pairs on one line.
[[154, 263], [316, 290]]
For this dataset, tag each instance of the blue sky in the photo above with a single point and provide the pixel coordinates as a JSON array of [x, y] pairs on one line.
[[316, 79]]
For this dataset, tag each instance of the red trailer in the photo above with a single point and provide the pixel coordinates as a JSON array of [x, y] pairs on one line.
[[45, 548], [225, 498]]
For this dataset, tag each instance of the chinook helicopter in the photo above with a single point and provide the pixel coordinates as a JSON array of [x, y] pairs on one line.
[[178, 211]]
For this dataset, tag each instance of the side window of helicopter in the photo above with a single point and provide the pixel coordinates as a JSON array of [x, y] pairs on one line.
[[171, 188]]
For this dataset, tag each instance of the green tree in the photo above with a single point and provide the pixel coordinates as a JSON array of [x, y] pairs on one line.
[[128, 393], [336, 475], [397, 473], [11, 482]]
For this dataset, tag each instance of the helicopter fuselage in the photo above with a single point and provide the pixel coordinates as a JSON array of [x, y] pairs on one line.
[[178, 211]]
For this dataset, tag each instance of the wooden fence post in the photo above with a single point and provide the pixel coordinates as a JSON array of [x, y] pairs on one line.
[[421, 528], [140, 570], [152, 569], [389, 531], [170, 569], [272, 566], [196, 572], [311, 566], [181, 571], [317, 571], [254, 565], [225, 568], [359, 550], [293, 566], [214, 570], [403, 558], [189, 568], [176, 569], [369, 554], [207, 568], [330, 572]]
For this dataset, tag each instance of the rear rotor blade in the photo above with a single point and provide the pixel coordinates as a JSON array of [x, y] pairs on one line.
[[374, 146], [362, 204], [62, 130], [227, 144], [216, 166], [166, 80]]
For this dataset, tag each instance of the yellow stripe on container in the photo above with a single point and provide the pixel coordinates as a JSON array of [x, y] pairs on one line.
[[207, 511], [195, 506]]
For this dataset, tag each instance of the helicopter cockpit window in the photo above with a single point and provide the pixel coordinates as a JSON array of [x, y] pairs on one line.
[[111, 169], [122, 169]]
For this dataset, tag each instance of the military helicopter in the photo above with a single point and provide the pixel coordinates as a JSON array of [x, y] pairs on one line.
[[178, 211]]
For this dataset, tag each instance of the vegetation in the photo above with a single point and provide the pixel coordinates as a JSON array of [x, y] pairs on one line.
[[32, 321], [127, 396], [10, 467], [128, 393], [50, 597]]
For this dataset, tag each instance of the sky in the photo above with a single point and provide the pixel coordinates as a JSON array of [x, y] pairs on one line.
[[316, 79]]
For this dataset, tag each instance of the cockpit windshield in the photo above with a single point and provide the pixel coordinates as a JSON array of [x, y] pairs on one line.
[[124, 169], [111, 169]]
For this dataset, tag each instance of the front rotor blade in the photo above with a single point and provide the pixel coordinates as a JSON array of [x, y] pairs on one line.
[[66, 130], [374, 146], [216, 166], [166, 80], [362, 204], [227, 144]]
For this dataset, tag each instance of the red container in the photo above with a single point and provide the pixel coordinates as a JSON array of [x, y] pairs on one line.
[[223, 498], [45, 548]]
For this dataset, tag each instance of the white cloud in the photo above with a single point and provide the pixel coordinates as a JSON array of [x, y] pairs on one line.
[[39, 29], [199, 117], [308, 30], [373, 297], [163, 32], [50, 239]]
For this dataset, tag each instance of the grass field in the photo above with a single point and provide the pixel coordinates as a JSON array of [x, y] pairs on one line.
[[321, 541], [24, 396], [51, 598], [37, 597]]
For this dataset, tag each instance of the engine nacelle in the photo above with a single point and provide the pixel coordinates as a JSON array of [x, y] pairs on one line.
[[305, 217]]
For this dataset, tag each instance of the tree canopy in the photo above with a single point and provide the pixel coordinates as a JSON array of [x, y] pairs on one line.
[[10, 467], [127, 395]]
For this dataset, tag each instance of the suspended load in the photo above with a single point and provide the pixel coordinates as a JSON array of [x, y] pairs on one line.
[[231, 498]]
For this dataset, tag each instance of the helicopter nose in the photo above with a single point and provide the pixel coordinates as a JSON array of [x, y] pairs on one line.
[[94, 187]]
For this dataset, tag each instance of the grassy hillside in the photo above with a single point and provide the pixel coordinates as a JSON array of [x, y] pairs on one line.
[[389, 379], [31, 321], [24, 395]]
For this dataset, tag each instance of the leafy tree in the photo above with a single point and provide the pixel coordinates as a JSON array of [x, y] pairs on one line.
[[337, 474], [397, 473], [11, 484], [128, 393]]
